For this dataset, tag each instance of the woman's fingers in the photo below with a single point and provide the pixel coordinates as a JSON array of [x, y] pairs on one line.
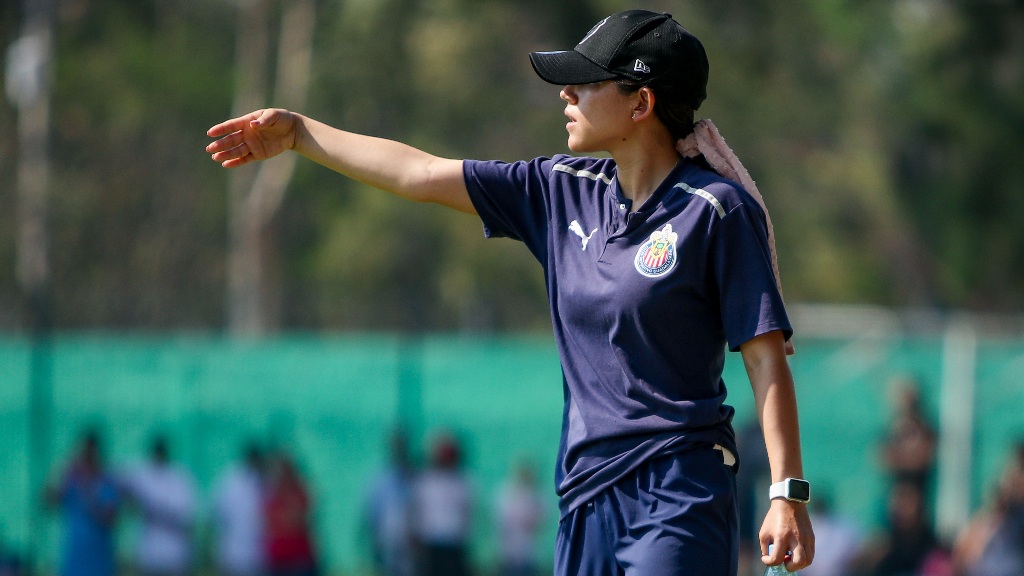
[[799, 559], [230, 148], [794, 558], [256, 136], [227, 127], [234, 125], [226, 143], [229, 151], [226, 157]]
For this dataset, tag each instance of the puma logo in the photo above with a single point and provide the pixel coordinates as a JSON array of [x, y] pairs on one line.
[[576, 229]]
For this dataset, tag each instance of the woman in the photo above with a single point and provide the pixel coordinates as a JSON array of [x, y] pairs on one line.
[[654, 262]]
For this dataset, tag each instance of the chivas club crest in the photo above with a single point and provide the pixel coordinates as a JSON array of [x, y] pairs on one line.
[[658, 255]]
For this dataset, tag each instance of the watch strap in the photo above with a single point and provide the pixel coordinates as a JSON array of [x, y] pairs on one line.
[[784, 489], [778, 490]]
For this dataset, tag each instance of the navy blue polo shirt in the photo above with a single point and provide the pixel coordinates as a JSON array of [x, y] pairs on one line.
[[643, 304]]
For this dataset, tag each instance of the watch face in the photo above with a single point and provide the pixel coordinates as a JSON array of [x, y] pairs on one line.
[[799, 490]]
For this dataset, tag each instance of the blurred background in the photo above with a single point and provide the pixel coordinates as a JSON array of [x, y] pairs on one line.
[[276, 328]]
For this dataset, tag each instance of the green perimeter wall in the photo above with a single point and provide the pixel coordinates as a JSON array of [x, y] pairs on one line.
[[331, 400]]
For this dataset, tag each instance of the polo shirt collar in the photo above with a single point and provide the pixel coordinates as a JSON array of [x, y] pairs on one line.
[[655, 200]]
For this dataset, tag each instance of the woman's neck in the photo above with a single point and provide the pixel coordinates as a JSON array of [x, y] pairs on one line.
[[642, 168]]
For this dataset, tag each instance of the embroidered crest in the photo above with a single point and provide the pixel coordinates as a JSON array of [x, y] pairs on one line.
[[658, 255]]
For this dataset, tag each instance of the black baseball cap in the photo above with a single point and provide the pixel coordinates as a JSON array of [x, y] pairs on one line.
[[646, 47]]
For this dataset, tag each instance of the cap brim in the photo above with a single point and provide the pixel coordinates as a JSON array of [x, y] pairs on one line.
[[567, 67]]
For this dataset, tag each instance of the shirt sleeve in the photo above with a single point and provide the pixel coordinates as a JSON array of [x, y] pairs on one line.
[[512, 199], [749, 297]]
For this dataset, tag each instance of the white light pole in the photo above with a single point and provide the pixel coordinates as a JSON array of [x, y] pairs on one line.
[[28, 76]]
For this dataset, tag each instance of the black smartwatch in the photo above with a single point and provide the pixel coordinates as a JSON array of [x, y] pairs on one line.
[[792, 489]]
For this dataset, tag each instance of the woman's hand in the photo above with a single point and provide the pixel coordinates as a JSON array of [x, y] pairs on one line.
[[787, 527], [256, 136], [385, 164]]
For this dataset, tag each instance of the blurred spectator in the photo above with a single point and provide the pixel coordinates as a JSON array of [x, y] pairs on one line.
[[239, 526], [287, 508], [909, 447], [442, 504], [165, 496], [837, 539], [909, 546], [520, 514], [88, 499], [388, 512], [992, 544]]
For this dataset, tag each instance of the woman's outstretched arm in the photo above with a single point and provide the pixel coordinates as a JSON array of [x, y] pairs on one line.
[[385, 164]]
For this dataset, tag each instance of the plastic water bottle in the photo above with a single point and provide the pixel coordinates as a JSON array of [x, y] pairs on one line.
[[778, 570]]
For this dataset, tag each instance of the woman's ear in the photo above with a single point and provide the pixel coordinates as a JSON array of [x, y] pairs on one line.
[[643, 105]]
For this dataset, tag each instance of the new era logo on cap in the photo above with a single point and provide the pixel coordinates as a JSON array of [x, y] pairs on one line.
[[641, 67]]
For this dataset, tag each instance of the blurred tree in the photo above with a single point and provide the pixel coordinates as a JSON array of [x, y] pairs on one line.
[[884, 135], [957, 152], [138, 228], [256, 192]]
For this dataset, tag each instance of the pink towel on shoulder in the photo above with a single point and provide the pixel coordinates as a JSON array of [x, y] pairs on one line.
[[706, 140]]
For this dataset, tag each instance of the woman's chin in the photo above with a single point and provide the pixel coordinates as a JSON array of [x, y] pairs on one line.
[[577, 146]]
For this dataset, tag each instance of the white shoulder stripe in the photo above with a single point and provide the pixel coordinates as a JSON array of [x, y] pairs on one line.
[[705, 195], [582, 173]]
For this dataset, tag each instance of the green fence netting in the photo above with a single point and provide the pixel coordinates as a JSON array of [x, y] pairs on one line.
[[332, 400]]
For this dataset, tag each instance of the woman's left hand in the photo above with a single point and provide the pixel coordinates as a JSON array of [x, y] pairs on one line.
[[787, 527]]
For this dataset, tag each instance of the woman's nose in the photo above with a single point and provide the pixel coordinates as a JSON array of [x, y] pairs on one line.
[[568, 94]]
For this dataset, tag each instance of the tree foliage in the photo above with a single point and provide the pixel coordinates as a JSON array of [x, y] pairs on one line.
[[886, 137]]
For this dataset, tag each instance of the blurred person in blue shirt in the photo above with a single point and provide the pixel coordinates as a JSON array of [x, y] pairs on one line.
[[88, 499]]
